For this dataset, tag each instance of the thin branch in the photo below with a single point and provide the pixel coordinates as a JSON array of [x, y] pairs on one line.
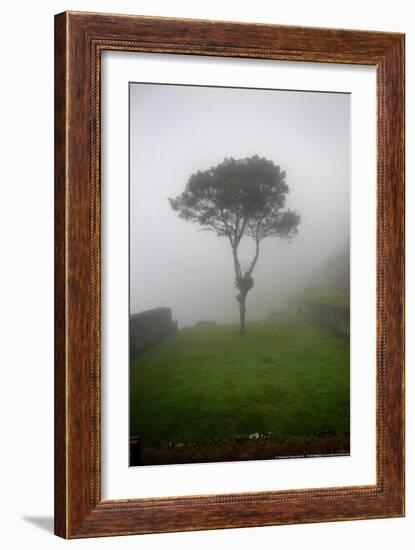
[[254, 260]]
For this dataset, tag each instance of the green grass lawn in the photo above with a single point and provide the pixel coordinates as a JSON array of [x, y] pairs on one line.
[[286, 376]]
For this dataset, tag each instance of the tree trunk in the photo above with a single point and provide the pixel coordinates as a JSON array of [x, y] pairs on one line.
[[242, 310]]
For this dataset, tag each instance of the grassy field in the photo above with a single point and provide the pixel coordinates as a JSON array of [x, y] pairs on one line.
[[286, 376]]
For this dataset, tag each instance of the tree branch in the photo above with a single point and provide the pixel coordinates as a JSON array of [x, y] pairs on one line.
[[254, 260], [236, 263]]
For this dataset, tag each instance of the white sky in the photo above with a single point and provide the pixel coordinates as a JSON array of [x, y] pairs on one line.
[[177, 130]]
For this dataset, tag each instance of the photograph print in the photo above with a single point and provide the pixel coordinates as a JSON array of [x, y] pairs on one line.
[[239, 321]]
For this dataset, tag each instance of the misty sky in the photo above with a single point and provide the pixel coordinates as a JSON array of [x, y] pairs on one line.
[[177, 130]]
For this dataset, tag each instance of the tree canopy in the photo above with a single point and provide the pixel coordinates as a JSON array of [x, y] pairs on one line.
[[239, 197]]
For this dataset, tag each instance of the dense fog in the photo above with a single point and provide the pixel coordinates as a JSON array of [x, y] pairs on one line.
[[178, 130]]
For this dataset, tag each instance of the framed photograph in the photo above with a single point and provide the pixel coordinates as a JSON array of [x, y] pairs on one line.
[[229, 274]]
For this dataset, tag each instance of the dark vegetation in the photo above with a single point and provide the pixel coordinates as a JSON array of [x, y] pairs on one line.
[[323, 295]]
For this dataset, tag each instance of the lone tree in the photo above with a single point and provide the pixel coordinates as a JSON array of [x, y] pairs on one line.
[[239, 197]]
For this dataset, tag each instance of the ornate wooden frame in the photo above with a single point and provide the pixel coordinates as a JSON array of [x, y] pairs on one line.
[[79, 40]]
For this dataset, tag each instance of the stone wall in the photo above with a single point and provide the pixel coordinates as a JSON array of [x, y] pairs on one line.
[[332, 316], [335, 317], [150, 327]]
